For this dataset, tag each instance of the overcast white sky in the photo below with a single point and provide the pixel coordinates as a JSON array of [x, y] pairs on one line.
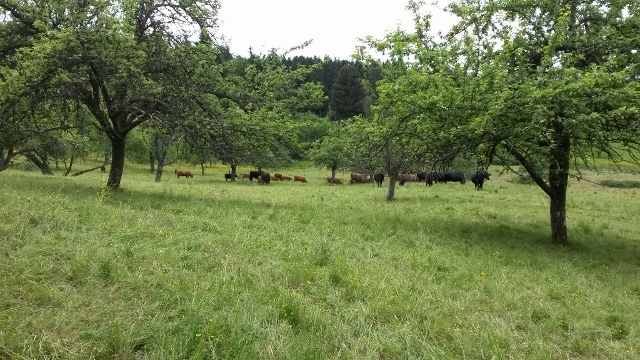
[[333, 25]]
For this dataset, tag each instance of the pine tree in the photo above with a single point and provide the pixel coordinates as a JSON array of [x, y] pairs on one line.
[[347, 95]]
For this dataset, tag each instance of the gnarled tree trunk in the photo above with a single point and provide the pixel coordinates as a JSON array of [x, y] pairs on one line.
[[558, 180], [39, 161], [117, 162]]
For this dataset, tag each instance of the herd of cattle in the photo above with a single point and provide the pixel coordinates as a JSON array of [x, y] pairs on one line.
[[429, 178]]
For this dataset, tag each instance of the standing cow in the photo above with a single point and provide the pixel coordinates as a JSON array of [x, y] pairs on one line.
[[429, 178], [478, 179], [264, 178], [254, 174], [379, 178], [453, 176], [299, 178]]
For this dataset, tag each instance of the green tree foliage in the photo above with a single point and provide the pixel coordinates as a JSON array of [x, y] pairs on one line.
[[334, 150], [545, 84], [564, 84], [257, 128], [347, 94], [126, 62]]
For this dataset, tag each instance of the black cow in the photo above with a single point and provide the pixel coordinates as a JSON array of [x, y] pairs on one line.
[[264, 178], [437, 176], [422, 176], [228, 177], [429, 178], [478, 178], [379, 178], [254, 175], [454, 176]]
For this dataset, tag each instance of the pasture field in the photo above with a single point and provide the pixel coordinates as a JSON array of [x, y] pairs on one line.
[[202, 268]]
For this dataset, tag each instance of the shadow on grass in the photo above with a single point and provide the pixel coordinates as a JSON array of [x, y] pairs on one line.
[[588, 250]]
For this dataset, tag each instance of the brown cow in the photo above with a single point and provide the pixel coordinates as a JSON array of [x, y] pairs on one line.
[[358, 179], [403, 178], [274, 178], [299, 178], [185, 173], [288, 178], [277, 176], [335, 180], [245, 176]]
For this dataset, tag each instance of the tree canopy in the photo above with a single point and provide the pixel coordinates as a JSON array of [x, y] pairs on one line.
[[546, 84]]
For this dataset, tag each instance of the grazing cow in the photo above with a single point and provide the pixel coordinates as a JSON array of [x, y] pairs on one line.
[[277, 176], [227, 177], [335, 180], [274, 178], [245, 176], [185, 173], [379, 178], [264, 178], [103, 168], [288, 178], [254, 174], [478, 178], [403, 178], [454, 176], [299, 178], [422, 176]]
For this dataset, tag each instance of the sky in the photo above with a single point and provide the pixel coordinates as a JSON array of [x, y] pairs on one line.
[[333, 25]]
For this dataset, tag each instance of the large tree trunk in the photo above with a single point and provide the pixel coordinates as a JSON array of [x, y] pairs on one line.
[[202, 166], [117, 162], [333, 175], [40, 162], [233, 171], [558, 181], [391, 191]]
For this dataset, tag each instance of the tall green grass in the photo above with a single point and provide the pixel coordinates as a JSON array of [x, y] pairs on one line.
[[202, 268], [624, 184]]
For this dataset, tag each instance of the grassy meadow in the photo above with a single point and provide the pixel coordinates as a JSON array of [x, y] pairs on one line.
[[202, 269]]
